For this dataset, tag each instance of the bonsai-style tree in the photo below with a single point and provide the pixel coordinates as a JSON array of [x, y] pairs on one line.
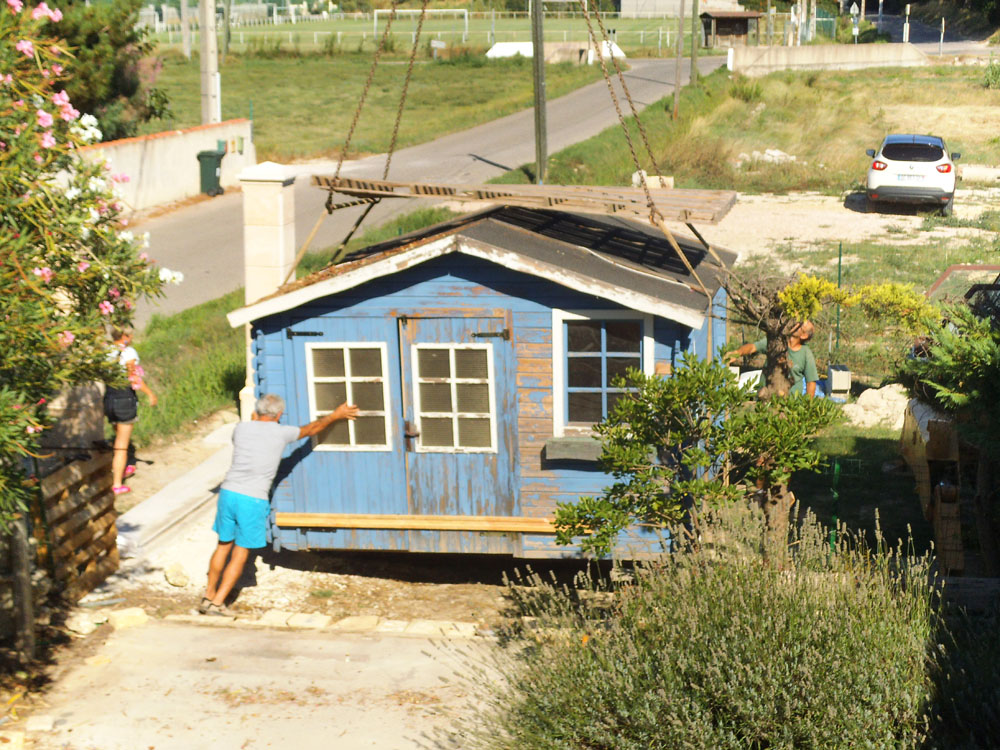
[[68, 266], [696, 440]]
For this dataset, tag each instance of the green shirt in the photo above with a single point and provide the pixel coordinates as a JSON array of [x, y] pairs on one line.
[[802, 361]]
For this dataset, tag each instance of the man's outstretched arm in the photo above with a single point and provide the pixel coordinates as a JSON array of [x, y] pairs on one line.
[[344, 411]]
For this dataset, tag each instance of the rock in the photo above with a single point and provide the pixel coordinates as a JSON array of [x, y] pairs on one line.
[[80, 623], [654, 181], [879, 407], [306, 620], [127, 618], [275, 618], [177, 576]]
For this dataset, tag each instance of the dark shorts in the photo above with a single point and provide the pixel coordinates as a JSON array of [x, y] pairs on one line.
[[121, 405]]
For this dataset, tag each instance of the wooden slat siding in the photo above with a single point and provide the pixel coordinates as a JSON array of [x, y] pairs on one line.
[[79, 512], [437, 523], [91, 510]]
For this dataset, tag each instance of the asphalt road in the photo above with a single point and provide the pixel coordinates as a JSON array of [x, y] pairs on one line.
[[205, 240]]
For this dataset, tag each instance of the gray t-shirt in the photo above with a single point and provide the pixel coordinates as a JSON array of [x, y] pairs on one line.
[[257, 449]]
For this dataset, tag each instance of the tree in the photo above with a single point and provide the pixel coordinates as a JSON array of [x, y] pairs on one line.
[[68, 267], [696, 440], [778, 304], [113, 70]]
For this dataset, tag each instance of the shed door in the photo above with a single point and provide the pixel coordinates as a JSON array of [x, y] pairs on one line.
[[459, 412]]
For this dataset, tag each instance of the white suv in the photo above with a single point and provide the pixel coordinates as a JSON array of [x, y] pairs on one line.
[[912, 169]]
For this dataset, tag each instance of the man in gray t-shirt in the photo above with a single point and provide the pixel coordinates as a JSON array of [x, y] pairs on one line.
[[241, 517]]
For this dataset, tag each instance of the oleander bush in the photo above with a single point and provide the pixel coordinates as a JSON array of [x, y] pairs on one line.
[[714, 648]]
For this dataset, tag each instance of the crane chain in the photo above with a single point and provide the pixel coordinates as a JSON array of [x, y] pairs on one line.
[[364, 92], [406, 86]]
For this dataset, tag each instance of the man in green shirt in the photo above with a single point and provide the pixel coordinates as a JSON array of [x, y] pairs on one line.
[[800, 358]]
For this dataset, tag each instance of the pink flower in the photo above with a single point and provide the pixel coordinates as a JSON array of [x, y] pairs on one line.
[[19, 104], [41, 10], [128, 304], [3, 146], [26, 47], [15, 5], [55, 50], [105, 307], [82, 266], [122, 177], [7, 79], [60, 98], [39, 402], [55, 15], [38, 158], [66, 338], [143, 256], [113, 293], [69, 114], [30, 429], [45, 274], [57, 69], [44, 118], [47, 140]]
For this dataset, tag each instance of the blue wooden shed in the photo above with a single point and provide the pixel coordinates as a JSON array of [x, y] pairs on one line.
[[480, 351]]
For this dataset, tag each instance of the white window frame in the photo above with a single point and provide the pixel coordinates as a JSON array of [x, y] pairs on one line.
[[455, 381], [311, 380], [559, 397]]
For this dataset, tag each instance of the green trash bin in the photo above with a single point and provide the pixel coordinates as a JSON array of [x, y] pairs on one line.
[[210, 164]]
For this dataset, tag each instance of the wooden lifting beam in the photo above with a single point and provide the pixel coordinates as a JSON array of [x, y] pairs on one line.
[[415, 522], [703, 206]]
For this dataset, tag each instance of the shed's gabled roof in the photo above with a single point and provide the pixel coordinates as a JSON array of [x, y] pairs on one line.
[[615, 259]]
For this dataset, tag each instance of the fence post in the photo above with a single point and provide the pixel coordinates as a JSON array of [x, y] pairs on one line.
[[23, 593]]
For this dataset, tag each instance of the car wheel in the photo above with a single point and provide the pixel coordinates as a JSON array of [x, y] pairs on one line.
[[867, 205], [948, 207]]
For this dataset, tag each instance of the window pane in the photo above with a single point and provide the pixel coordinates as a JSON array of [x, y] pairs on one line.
[[624, 335], [473, 397], [330, 395], [435, 397], [366, 363], [613, 399], [328, 363], [583, 336], [474, 433], [368, 396], [335, 434], [585, 407], [436, 432], [618, 365], [369, 431], [471, 363], [433, 363], [584, 372]]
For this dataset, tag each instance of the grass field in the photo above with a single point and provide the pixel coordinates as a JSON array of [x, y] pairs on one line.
[[303, 106], [825, 119]]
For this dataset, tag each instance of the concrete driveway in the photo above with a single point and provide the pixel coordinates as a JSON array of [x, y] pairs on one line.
[[205, 240], [178, 686]]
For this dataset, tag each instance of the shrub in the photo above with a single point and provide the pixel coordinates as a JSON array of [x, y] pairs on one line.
[[745, 89], [991, 78], [711, 648]]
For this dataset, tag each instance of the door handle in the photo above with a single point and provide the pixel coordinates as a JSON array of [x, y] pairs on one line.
[[410, 430]]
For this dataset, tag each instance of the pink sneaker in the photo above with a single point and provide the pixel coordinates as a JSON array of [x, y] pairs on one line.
[[129, 471], [121, 489]]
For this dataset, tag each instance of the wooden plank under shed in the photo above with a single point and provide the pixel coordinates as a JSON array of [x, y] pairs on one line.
[[405, 522]]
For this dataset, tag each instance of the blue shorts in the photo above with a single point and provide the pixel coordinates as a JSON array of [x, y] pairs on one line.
[[242, 519]]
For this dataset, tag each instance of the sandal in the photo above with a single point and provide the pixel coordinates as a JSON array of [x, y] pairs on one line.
[[121, 489], [219, 610], [129, 471], [205, 604]]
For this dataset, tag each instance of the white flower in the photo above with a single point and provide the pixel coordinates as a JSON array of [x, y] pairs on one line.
[[96, 184], [177, 277], [126, 236], [73, 193], [171, 277], [144, 239], [85, 232], [88, 121], [94, 216]]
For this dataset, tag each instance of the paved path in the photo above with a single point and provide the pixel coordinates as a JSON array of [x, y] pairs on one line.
[[205, 240], [178, 686]]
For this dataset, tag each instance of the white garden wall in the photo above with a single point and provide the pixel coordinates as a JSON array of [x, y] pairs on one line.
[[164, 167]]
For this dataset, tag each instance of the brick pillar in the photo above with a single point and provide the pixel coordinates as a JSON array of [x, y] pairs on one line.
[[268, 243]]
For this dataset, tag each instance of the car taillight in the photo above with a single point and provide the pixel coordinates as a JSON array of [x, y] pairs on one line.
[[944, 168], [878, 166]]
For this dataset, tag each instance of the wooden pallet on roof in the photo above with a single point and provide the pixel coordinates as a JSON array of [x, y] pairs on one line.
[[702, 206]]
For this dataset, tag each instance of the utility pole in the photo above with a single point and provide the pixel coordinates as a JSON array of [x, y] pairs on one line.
[[680, 55], [538, 69], [185, 29], [695, 41], [209, 63]]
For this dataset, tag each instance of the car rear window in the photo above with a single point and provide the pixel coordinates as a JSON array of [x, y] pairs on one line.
[[912, 152]]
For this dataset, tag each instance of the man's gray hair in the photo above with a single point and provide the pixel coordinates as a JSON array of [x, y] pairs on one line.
[[269, 405]]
